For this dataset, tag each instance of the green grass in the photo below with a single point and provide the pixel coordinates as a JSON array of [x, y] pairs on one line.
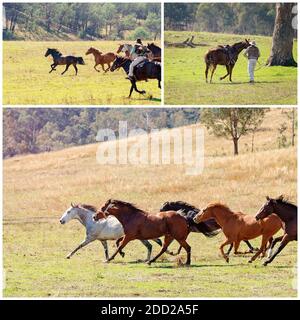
[[185, 78], [26, 79], [37, 189]]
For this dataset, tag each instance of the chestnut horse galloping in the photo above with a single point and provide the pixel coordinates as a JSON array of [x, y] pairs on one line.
[[238, 226], [142, 225], [220, 55], [102, 59]]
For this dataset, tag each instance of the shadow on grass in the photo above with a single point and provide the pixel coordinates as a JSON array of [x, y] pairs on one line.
[[245, 82]]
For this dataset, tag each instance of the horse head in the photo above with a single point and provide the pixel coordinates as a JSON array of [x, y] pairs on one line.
[[118, 63], [266, 209], [90, 50], [69, 214]]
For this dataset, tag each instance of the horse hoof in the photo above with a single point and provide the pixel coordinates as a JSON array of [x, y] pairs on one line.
[[250, 261], [106, 261], [265, 264], [143, 92], [122, 254], [149, 263], [227, 260], [68, 257]]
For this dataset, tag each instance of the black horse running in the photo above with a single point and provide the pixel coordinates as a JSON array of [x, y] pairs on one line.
[[190, 212], [143, 71], [58, 59]]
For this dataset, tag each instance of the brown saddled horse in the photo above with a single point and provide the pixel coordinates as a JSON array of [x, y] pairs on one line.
[[287, 212], [220, 56], [142, 225], [238, 226], [102, 59]]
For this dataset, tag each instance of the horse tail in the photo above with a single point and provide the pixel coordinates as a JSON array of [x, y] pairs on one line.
[[209, 228], [80, 60], [208, 58]]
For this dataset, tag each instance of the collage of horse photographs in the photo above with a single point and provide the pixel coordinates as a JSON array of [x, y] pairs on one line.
[[149, 150]]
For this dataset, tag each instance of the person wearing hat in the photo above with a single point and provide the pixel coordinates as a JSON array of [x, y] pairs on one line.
[[138, 49], [252, 53]]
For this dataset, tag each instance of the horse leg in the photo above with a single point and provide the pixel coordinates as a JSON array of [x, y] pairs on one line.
[[74, 65], [187, 248], [285, 240], [264, 242], [136, 89], [159, 84], [67, 67], [108, 67], [263, 254], [124, 241], [206, 72], [102, 65], [96, 68], [226, 242], [131, 89], [212, 72], [158, 241], [122, 254], [226, 75], [273, 245], [148, 245], [250, 246], [104, 243], [53, 65], [229, 250], [236, 247], [168, 239], [82, 244]]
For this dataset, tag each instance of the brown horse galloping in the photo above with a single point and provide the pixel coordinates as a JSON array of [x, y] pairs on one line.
[[238, 226], [102, 59], [142, 225], [287, 212], [58, 59], [220, 55]]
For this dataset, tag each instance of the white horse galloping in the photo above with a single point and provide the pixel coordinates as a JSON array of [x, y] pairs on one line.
[[104, 229]]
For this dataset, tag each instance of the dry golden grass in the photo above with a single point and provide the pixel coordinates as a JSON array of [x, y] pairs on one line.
[[38, 188]]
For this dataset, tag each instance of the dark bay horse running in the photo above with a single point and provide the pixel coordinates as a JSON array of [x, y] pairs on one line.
[[142, 225], [155, 50], [287, 212], [58, 59], [143, 71], [209, 228], [221, 55]]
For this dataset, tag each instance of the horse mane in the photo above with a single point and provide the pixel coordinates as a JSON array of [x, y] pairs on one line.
[[219, 205], [88, 207], [96, 50], [127, 204], [184, 206], [284, 200], [56, 51]]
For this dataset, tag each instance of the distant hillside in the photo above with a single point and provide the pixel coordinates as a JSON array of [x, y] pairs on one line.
[[72, 21]]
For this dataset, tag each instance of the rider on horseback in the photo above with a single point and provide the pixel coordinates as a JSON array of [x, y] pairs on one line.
[[140, 50]]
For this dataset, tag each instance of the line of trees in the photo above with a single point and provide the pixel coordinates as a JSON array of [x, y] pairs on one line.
[[239, 18], [35, 130], [86, 20]]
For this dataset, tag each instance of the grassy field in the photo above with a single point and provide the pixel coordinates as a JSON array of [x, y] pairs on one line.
[[185, 78], [39, 188], [26, 79]]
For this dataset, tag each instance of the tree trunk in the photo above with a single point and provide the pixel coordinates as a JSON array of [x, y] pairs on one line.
[[293, 127], [283, 37], [236, 146]]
